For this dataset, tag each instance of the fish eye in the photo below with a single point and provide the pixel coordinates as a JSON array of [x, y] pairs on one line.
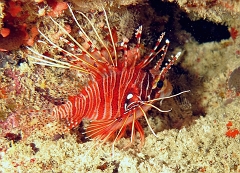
[[131, 101], [160, 84], [127, 102], [129, 96]]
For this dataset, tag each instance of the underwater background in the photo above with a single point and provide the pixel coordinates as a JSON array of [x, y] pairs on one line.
[[201, 133]]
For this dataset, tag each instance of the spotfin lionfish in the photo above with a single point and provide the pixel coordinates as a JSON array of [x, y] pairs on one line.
[[120, 90]]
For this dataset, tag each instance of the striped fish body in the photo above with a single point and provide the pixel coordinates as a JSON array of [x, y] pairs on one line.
[[120, 90], [106, 98]]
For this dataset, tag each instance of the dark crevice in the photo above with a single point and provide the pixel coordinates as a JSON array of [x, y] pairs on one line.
[[202, 30]]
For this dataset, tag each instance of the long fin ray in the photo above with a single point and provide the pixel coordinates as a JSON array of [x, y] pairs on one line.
[[74, 40], [101, 41]]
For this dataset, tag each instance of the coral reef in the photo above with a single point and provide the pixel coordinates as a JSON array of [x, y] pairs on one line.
[[200, 134], [219, 11]]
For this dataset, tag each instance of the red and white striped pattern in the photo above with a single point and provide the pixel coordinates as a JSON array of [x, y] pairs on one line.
[[119, 91], [104, 98]]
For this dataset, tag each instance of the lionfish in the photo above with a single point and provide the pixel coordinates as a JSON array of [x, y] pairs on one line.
[[120, 90]]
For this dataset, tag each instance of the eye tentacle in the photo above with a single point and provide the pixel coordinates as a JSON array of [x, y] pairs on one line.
[[160, 110], [167, 97]]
